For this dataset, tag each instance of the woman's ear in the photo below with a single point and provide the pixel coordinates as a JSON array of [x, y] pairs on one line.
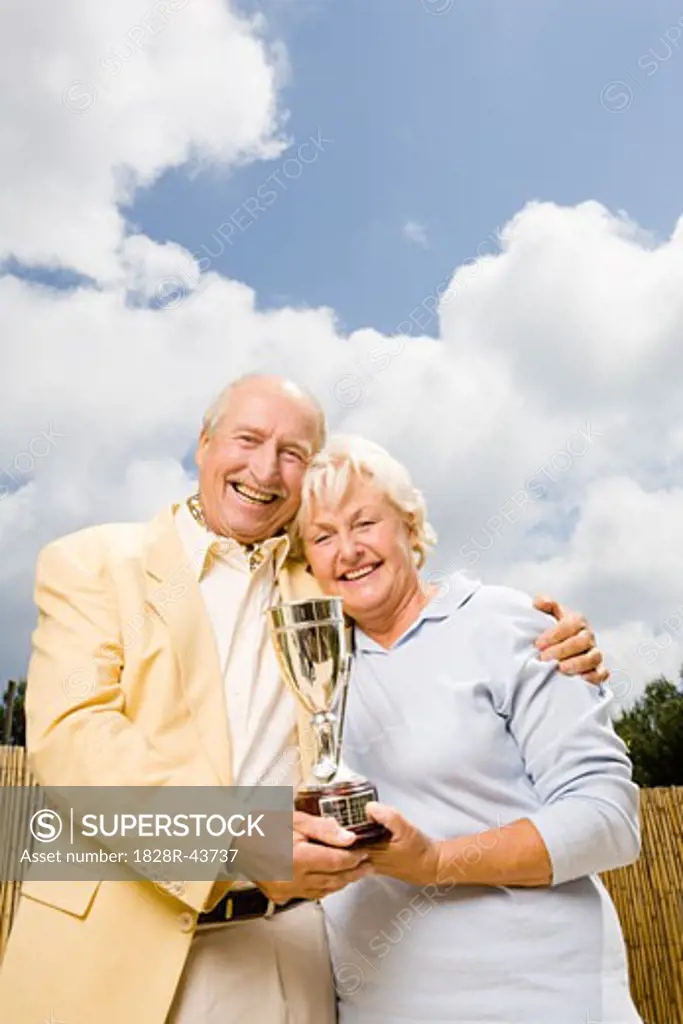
[[416, 547], [412, 534]]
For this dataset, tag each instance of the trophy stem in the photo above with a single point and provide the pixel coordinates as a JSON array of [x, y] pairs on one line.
[[326, 762]]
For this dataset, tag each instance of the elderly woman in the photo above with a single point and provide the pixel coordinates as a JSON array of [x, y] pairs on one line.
[[506, 791]]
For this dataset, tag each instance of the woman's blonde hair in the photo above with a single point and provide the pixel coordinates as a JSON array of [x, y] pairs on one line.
[[347, 457]]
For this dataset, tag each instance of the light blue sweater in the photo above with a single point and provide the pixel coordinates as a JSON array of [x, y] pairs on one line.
[[463, 729]]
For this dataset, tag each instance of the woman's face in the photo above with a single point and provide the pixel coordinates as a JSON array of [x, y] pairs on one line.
[[361, 551]]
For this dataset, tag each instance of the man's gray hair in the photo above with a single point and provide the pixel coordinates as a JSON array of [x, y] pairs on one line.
[[218, 407], [344, 459]]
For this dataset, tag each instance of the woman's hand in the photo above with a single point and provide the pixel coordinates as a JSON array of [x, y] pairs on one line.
[[409, 855], [513, 855]]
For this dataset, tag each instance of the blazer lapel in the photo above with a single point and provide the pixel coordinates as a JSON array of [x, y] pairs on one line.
[[175, 596]]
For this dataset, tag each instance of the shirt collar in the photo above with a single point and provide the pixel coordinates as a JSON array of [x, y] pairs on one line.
[[204, 546], [455, 589]]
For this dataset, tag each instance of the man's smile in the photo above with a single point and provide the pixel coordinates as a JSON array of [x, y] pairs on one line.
[[254, 496]]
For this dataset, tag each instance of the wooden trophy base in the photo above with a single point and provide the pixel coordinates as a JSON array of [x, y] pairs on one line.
[[345, 802]]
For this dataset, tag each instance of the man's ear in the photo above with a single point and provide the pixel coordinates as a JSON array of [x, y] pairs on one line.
[[202, 443]]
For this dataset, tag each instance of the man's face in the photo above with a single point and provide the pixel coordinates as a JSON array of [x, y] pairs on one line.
[[252, 466]]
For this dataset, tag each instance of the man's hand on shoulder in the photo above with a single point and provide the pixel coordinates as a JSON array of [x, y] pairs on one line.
[[321, 866], [571, 642]]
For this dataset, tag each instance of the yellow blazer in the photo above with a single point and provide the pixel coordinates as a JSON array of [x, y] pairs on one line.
[[124, 688]]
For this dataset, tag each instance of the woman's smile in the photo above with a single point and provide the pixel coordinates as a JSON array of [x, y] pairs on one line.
[[360, 574]]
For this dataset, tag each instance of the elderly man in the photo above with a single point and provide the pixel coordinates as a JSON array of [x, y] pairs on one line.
[[164, 622]]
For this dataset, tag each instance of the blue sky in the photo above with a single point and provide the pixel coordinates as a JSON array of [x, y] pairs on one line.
[[453, 122]]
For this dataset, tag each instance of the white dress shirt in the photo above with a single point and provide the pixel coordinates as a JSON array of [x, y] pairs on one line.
[[260, 709], [273, 969]]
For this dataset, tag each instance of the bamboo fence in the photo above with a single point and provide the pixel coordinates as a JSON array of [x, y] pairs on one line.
[[648, 895], [649, 898], [14, 771]]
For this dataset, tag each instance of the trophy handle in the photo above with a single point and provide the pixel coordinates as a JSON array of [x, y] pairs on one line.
[[346, 672]]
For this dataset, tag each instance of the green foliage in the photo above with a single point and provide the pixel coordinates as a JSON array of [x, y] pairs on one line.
[[18, 731], [653, 731]]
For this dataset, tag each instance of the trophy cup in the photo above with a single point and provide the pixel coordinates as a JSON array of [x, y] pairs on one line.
[[313, 652]]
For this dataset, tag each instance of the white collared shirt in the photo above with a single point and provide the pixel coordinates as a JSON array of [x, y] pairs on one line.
[[261, 711]]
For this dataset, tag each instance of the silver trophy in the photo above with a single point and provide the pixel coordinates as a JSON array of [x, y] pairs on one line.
[[311, 642]]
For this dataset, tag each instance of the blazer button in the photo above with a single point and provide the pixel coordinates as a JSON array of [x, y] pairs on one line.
[[186, 922]]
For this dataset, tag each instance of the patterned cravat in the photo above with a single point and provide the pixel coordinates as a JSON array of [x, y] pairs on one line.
[[254, 552]]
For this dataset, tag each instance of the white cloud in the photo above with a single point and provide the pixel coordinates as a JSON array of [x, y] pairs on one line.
[[101, 98], [416, 232], [623, 564], [544, 424]]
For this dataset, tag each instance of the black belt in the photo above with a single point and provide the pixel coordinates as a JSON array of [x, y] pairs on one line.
[[242, 905]]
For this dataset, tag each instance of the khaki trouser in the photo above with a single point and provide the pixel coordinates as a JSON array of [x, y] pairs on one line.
[[274, 971]]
